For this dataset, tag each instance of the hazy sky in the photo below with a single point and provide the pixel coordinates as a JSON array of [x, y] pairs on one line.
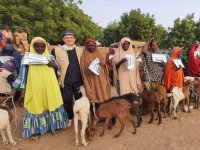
[[164, 11]]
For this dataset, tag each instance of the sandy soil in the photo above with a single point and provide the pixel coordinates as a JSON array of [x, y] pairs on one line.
[[183, 134]]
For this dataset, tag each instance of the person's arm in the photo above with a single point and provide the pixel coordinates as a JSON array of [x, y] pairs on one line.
[[52, 63], [10, 79], [146, 46], [21, 79], [120, 63]]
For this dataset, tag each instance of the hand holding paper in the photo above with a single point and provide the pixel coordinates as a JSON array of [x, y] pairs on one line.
[[95, 66], [130, 62], [178, 63]]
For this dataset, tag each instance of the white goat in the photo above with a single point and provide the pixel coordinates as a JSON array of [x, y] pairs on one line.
[[177, 95], [81, 112], [5, 119]]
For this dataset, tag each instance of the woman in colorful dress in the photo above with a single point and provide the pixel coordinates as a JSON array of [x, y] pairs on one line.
[[42, 101]]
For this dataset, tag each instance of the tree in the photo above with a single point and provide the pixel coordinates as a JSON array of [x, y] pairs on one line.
[[48, 18], [136, 25], [111, 34], [183, 32]]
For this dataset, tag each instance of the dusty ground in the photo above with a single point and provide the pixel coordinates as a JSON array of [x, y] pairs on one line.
[[183, 134]]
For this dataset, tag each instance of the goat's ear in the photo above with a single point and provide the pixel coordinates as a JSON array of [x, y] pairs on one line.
[[188, 82]]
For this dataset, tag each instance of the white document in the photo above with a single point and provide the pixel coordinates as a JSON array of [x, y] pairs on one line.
[[159, 58], [178, 63], [95, 66], [197, 54], [31, 58], [110, 57], [130, 62], [4, 59]]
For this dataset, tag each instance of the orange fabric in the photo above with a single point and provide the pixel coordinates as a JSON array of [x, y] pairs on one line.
[[172, 76], [97, 86]]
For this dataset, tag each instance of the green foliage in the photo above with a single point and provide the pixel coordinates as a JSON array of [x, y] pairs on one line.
[[139, 26], [183, 32], [136, 25], [48, 18]]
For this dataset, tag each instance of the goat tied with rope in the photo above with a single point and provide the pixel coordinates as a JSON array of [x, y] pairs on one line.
[[5, 119]]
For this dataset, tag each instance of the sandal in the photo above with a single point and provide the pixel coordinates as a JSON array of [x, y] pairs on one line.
[[34, 138]]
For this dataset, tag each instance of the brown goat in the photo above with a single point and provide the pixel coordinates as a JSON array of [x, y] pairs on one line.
[[115, 108], [196, 91], [163, 95], [150, 100], [186, 92]]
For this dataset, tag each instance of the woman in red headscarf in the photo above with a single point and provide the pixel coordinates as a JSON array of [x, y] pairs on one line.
[[193, 63], [97, 86], [173, 76]]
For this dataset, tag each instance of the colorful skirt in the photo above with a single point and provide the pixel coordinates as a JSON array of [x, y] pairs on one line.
[[40, 124]]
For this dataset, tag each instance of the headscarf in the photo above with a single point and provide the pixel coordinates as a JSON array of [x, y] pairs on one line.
[[9, 50], [173, 77], [91, 40], [42, 89], [129, 79]]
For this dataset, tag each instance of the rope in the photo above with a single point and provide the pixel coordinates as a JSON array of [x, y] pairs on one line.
[[15, 116], [94, 111]]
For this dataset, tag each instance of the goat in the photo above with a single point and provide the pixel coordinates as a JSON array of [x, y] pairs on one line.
[[134, 100], [115, 108], [81, 111], [163, 94], [186, 92], [196, 91], [5, 124], [150, 100], [177, 95]]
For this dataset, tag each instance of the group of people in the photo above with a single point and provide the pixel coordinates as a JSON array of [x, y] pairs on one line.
[[19, 39], [50, 90]]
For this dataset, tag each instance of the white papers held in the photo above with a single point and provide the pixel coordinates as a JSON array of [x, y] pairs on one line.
[[95, 66], [197, 54], [4, 59], [178, 63], [159, 58], [130, 62], [110, 57], [31, 58]]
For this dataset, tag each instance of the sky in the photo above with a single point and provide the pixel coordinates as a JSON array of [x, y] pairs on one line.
[[165, 12]]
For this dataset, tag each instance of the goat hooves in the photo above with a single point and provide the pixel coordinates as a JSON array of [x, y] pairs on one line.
[[134, 132], [159, 122], [110, 127], [85, 144], [102, 134], [116, 136], [5, 142], [13, 143], [150, 122], [76, 143]]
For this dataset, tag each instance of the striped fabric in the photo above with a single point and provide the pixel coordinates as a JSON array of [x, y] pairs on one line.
[[40, 124]]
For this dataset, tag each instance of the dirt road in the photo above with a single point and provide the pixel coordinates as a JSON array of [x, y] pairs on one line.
[[171, 135]]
